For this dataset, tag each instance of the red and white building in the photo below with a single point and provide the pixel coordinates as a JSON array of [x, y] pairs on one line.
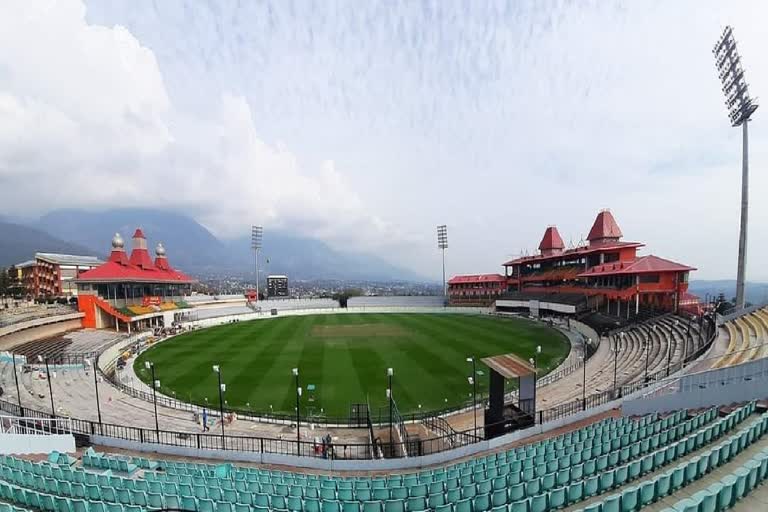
[[131, 292], [52, 275], [607, 270], [481, 288]]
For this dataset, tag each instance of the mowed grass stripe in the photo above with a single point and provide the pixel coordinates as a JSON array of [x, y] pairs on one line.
[[427, 351]]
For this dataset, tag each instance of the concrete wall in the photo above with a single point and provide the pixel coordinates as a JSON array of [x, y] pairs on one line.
[[721, 386], [53, 327], [23, 443], [208, 322]]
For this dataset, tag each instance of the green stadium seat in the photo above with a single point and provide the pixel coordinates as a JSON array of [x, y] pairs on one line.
[[519, 506], [539, 503], [558, 498]]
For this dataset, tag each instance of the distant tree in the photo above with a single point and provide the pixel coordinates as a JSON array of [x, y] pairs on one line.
[[4, 281], [722, 306]]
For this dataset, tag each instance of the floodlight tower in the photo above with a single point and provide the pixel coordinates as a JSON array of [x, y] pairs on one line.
[[256, 235], [740, 109], [442, 244]]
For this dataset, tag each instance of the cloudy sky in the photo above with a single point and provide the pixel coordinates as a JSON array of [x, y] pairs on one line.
[[366, 124]]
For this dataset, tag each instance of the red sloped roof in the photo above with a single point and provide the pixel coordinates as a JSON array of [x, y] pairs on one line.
[[578, 251], [141, 258], [118, 256], [605, 226], [551, 240], [642, 265], [161, 262], [138, 233], [112, 271], [477, 278]]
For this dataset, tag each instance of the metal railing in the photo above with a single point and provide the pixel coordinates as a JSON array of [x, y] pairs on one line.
[[367, 450], [35, 426]]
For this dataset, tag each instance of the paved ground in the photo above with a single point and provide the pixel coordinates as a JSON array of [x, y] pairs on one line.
[[74, 395]]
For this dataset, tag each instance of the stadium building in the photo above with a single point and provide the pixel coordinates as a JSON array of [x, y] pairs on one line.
[[473, 289], [604, 274], [132, 292], [52, 275]]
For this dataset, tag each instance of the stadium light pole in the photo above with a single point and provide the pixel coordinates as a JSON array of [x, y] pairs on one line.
[[740, 109], [257, 233], [390, 372], [442, 244], [149, 365], [473, 383], [48, 378], [295, 372], [222, 389], [16, 380]]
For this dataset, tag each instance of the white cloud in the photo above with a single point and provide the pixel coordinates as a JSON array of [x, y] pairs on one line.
[[85, 120], [365, 124]]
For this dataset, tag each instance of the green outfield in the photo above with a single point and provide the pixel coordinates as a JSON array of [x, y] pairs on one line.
[[343, 359]]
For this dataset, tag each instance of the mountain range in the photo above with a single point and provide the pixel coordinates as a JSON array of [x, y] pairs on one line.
[[190, 246]]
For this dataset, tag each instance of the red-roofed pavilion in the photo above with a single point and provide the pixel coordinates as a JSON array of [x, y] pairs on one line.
[[132, 291], [606, 270]]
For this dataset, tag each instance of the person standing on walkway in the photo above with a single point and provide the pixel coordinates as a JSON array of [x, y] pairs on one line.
[[205, 420]]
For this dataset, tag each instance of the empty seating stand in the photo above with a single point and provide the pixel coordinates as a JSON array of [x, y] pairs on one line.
[[747, 339], [599, 459]]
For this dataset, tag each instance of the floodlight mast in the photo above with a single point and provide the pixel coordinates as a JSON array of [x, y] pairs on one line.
[[740, 109], [256, 236], [442, 244]]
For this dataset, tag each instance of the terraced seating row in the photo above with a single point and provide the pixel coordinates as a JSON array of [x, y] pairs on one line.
[[719, 496], [536, 477], [668, 341], [591, 441], [747, 339]]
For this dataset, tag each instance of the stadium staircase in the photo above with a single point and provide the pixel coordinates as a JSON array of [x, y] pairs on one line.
[[107, 308], [617, 464]]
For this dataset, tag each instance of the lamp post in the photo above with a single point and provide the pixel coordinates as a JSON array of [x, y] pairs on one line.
[[473, 382], [295, 372], [16, 379], [442, 244], [669, 349], [689, 334], [535, 363], [390, 372], [646, 347], [96, 387], [149, 365], [48, 378], [222, 388]]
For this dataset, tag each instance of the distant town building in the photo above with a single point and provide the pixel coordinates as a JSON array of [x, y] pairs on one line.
[[277, 286], [52, 275]]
